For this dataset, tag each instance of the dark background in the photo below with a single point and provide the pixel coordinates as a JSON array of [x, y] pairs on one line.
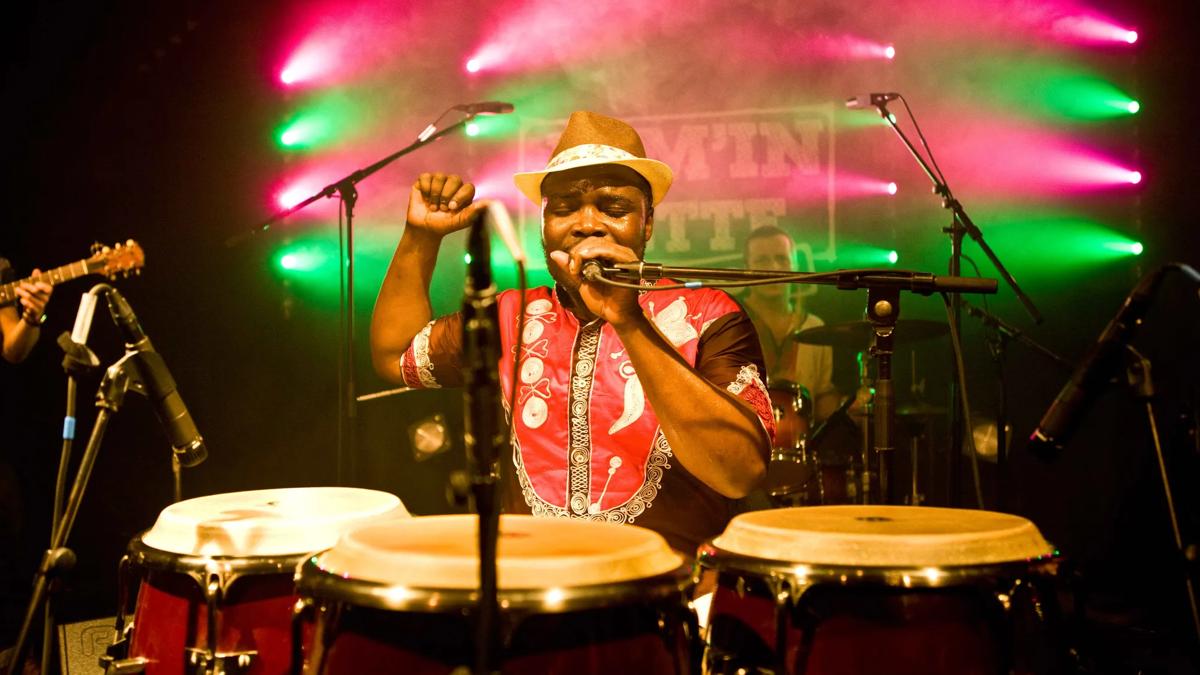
[[147, 120]]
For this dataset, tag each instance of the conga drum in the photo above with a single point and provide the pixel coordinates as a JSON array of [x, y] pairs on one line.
[[575, 597], [215, 578], [857, 590]]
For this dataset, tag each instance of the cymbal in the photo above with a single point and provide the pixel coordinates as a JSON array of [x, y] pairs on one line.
[[857, 334], [921, 410]]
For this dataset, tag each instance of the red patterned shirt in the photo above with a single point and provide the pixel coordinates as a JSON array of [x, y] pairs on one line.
[[587, 443]]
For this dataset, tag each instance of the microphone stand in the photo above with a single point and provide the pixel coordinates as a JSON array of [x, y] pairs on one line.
[[345, 189], [883, 309], [485, 436], [960, 224], [118, 379], [999, 349]]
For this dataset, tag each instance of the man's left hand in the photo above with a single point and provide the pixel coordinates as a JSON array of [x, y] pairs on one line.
[[617, 306], [34, 296]]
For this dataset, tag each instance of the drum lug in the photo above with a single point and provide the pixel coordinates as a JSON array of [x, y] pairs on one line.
[[204, 662]]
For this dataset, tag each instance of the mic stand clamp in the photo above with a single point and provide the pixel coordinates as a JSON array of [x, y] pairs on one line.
[[883, 309]]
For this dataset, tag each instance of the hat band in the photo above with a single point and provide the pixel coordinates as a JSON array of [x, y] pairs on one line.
[[606, 153]]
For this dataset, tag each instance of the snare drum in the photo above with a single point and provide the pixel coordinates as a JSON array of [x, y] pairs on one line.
[[575, 597], [215, 577], [881, 589]]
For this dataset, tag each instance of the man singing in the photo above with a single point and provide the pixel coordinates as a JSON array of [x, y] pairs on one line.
[[631, 407]]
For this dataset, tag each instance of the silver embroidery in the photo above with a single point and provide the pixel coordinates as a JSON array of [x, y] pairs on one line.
[[579, 447], [420, 350]]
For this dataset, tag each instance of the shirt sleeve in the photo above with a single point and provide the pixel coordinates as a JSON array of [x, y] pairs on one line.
[[730, 356], [434, 357]]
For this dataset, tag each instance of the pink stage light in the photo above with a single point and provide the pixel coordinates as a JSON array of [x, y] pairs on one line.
[[844, 46], [814, 188], [474, 64], [1091, 29], [1001, 157], [307, 64], [333, 41]]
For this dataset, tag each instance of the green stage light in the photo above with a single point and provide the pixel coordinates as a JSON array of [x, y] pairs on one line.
[[1059, 90], [893, 257], [318, 124]]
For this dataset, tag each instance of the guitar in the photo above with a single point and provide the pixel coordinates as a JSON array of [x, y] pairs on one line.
[[106, 260]]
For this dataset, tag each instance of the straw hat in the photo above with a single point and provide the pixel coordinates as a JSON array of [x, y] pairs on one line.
[[591, 139]]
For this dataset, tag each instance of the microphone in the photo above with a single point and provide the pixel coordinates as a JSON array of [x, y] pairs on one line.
[[83, 317], [592, 270], [1065, 413], [158, 385], [873, 100], [485, 108], [499, 220]]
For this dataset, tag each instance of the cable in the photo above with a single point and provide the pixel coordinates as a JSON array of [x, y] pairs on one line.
[[961, 370], [921, 136], [522, 286]]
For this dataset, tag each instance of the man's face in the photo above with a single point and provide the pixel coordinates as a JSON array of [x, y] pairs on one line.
[[595, 201], [770, 253]]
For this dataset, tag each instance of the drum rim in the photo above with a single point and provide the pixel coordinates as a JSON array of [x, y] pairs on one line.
[[314, 583], [142, 554], [907, 576]]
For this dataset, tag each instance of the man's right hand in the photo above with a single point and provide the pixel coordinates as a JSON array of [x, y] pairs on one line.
[[442, 203]]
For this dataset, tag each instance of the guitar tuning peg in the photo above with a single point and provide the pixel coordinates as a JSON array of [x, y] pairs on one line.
[[105, 249], [129, 242], [117, 245]]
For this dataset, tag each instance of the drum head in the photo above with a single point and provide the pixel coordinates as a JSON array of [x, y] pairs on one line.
[[441, 552], [286, 521], [883, 536]]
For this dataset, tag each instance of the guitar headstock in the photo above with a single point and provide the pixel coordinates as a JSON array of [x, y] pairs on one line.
[[118, 259]]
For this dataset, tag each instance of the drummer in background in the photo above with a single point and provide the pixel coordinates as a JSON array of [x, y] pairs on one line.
[[20, 324], [632, 407], [777, 311]]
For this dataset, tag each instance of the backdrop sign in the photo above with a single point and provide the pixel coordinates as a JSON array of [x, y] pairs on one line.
[[734, 171]]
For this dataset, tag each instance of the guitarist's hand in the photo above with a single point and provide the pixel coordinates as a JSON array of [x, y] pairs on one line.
[[34, 296]]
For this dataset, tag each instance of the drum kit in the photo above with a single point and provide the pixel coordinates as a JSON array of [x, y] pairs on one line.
[[341, 581], [807, 467]]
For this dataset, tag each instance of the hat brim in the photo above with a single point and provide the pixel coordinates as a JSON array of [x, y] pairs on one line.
[[656, 173]]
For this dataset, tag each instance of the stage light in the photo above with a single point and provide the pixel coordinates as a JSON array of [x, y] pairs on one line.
[[292, 196], [473, 65], [1091, 28], [893, 257], [1136, 248], [1133, 107], [892, 188], [467, 258], [301, 258], [889, 52], [1134, 177], [472, 129]]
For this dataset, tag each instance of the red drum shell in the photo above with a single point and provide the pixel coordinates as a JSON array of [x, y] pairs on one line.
[[872, 618], [253, 614]]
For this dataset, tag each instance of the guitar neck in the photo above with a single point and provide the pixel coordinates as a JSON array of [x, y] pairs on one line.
[[79, 268]]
